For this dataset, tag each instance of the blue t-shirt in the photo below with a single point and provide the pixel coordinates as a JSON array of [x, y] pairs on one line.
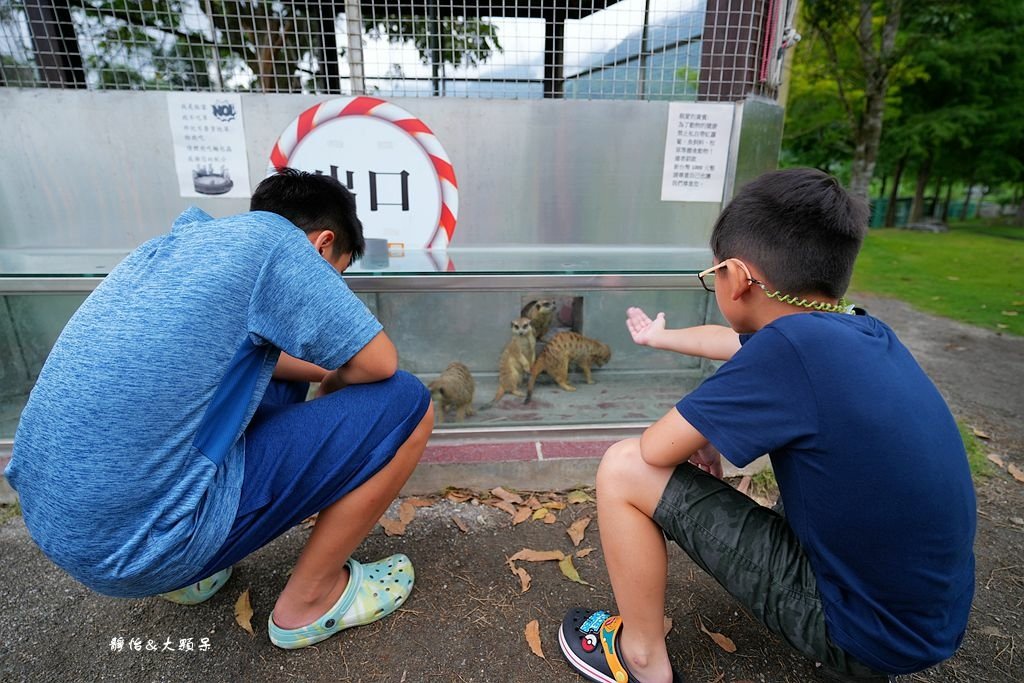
[[128, 459], [872, 470]]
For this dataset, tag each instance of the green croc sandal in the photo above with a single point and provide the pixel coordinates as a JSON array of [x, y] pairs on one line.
[[200, 591], [374, 590]]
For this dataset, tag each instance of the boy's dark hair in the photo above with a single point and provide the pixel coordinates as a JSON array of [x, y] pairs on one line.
[[799, 226], [313, 202]]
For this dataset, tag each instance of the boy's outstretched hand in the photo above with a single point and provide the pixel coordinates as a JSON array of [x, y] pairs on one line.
[[641, 327]]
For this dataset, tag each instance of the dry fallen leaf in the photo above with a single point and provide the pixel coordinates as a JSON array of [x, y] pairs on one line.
[[540, 513], [1015, 472], [533, 638], [406, 512], [396, 527], [504, 506], [722, 641], [419, 502], [529, 555], [533, 503], [524, 578], [578, 497], [577, 529], [243, 612], [310, 522], [997, 460], [522, 514], [462, 525], [569, 570], [980, 434], [554, 505], [550, 518], [392, 527], [507, 496], [668, 625], [584, 552], [458, 495]]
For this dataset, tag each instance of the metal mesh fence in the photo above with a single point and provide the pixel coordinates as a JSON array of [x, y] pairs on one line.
[[711, 50]]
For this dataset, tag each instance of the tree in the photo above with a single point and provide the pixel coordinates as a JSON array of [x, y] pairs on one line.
[[959, 122], [439, 39], [946, 80], [817, 131], [859, 38], [282, 46]]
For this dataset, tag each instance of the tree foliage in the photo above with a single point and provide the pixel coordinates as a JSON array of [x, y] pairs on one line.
[[259, 45], [859, 42], [951, 98]]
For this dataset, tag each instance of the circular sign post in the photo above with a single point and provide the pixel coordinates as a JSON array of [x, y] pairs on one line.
[[404, 183]]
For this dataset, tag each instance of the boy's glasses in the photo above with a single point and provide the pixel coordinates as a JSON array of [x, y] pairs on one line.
[[707, 277]]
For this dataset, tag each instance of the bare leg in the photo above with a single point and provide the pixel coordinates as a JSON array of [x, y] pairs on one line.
[[319, 576], [628, 491]]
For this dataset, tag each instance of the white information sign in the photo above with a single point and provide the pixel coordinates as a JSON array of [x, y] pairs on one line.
[[209, 144], [696, 151]]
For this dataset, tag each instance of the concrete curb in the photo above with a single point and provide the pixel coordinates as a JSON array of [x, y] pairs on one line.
[[557, 474]]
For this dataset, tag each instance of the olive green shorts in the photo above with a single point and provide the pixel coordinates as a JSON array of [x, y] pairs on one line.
[[754, 554]]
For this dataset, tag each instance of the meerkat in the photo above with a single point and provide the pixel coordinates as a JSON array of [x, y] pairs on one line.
[[453, 390], [567, 348], [516, 359], [541, 313]]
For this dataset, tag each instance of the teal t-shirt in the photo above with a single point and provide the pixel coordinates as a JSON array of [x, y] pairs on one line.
[[128, 458]]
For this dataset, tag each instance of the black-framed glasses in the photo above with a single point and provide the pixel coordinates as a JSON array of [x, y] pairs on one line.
[[707, 277]]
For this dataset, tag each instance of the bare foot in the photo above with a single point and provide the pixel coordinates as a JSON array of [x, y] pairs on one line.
[[291, 612]]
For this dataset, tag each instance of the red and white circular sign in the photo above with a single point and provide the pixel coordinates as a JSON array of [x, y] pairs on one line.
[[404, 183]]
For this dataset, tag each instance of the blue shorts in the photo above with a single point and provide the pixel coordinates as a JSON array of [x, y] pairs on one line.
[[301, 456]]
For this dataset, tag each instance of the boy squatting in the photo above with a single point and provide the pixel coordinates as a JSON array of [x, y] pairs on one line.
[[168, 435], [869, 567]]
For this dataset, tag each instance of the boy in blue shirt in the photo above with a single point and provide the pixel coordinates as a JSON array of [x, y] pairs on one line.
[[869, 569], [167, 436]]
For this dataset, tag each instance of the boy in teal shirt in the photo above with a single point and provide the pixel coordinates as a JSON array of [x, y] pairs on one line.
[[167, 436]]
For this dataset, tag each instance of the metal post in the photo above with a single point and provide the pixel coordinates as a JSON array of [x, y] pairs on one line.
[[641, 85], [53, 41], [216, 46], [554, 54], [354, 29]]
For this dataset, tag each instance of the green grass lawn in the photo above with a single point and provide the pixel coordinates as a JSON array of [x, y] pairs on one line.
[[974, 273]]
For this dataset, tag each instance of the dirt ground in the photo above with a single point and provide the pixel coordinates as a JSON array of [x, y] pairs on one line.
[[466, 618]]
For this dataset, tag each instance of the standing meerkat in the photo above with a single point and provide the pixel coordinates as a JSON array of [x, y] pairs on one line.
[[567, 348], [453, 390], [516, 358], [541, 313]]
